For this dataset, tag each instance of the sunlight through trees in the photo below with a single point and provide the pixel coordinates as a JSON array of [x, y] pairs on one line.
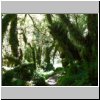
[[50, 49]]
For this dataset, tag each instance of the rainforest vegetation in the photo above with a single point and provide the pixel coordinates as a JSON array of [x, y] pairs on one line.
[[49, 49]]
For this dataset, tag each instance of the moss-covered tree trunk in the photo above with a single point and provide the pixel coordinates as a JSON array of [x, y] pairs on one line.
[[5, 23], [38, 55], [59, 32], [13, 39], [92, 48]]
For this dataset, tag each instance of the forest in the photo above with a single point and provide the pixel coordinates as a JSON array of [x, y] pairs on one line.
[[49, 49]]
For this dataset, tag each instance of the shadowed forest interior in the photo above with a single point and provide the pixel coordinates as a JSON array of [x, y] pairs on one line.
[[49, 49]]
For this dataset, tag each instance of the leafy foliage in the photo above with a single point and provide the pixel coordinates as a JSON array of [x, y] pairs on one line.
[[77, 75]]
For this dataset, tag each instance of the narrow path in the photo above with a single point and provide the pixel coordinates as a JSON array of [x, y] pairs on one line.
[[52, 81]]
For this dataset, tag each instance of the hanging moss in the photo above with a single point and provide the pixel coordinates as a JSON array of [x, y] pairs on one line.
[[55, 51], [61, 35], [48, 16], [74, 31], [24, 38], [33, 48], [13, 39], [38, 55], [5, 22], [28, 54], [34, 55]]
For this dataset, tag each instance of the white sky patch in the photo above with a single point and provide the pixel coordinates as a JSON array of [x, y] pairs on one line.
[[85, 32], [39, 16], [57, 63]]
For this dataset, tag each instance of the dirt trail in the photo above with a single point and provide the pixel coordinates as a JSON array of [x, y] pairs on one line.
[[52, 81]]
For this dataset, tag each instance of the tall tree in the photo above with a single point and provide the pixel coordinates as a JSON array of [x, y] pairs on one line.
[[13, 39], [5, 22]]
